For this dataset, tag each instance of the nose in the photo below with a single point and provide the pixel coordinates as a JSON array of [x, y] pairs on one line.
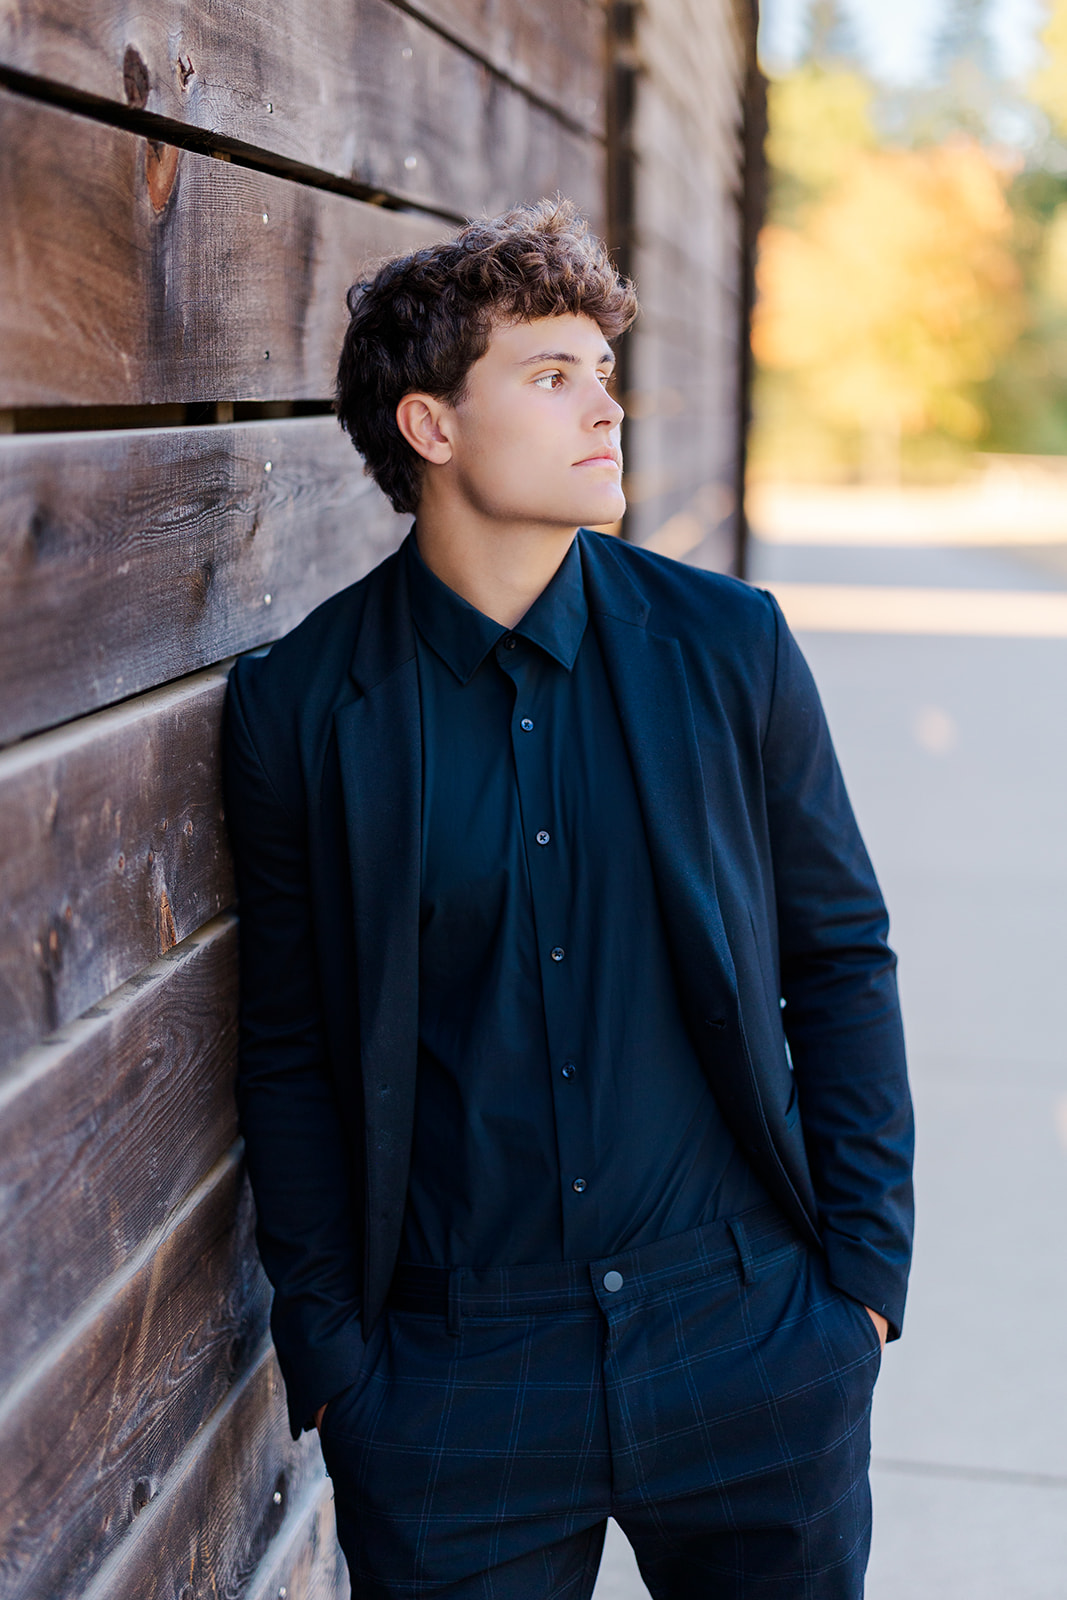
[[610, 412]]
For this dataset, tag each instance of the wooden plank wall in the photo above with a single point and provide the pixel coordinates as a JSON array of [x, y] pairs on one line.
[[187, 190], [686, 95]]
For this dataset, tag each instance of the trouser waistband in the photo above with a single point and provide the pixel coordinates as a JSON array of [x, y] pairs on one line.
[[741, 1241]]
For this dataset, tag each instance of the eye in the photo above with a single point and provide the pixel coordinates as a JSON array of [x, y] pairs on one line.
[[549, 380]]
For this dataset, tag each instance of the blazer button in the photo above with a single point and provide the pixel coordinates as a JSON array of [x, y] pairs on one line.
[[579, 1185]]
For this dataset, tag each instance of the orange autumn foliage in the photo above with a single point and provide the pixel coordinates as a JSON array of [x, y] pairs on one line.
[[895, 293]]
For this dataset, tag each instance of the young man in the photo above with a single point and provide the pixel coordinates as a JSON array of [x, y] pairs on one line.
[[543, 854]]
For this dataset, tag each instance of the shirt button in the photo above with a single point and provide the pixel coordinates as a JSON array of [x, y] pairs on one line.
[[509, 641], [526, 725], [543, 836], [558, 953], [568, 1069], [613, 1282], [579, 1185]]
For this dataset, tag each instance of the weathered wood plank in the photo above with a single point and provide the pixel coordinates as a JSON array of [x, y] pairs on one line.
[[557, 51], [232, 75], [222, 1507], [133, 273], [127, 559], [90, 1434], [685, 358], [304, 1562], [114, 850], [105, 1131], [361, 91]]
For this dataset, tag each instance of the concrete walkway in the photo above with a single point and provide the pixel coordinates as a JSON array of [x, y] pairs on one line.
[[955, 751]]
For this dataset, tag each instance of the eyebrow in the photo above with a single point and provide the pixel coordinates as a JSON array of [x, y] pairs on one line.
[[566, 357]]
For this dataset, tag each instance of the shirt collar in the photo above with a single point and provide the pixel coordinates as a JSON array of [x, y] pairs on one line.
[[463, 636]]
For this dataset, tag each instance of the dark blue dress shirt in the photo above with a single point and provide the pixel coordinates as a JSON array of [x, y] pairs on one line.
[[561, 1112]]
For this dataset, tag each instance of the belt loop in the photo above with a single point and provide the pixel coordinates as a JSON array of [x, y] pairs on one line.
[[455, 1303], [744, 1252]]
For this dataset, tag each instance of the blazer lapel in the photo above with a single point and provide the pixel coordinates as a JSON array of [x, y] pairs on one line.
[[379, 749], [652, 695]]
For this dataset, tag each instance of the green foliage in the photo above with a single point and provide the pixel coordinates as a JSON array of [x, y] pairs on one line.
[[818, 119], [1026, 396], [1048, 86]]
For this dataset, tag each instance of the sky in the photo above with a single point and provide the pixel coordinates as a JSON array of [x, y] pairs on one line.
[[895, 39]]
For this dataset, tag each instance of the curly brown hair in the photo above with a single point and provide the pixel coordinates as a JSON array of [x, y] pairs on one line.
[[425, 318]]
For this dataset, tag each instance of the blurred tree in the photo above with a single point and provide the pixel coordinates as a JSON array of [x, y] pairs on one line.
[[830, 38], [1026, 397], [913, 275], [819, 119], [887, 305], [1048, 86], [963, 38]]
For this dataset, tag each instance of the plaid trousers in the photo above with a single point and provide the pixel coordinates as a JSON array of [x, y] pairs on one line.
[[711, 1392]]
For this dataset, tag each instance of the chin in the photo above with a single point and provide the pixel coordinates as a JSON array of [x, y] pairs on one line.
[[605, 510], [605, 516]]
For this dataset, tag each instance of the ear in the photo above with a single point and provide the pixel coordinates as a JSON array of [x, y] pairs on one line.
[[419, 418]]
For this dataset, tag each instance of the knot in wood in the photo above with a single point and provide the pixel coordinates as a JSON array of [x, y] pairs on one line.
[[135, 80], [161, 169]]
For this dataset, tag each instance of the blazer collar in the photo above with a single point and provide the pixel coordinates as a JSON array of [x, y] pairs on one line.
[[609, 587], [386, 636]]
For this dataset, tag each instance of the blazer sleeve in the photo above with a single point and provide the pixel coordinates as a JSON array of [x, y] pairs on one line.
[[297, 1161], [842, 1015]]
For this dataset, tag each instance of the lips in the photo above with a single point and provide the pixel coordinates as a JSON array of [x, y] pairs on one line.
[[604, 455]]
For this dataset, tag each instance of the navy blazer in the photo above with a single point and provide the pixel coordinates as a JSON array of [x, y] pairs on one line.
[[776, 924]]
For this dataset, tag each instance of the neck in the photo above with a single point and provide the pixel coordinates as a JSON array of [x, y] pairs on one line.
[[499, 568]]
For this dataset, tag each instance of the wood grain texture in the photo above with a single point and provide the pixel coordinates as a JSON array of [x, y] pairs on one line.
[[219, 1512], [685, 355], [359, 91], [554, 49], [114, 850], [105, 1131], [134, 273], [304, 1561], [128, 559], [90, 1435]]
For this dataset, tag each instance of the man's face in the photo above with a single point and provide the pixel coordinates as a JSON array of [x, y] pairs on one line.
[[536, 438]]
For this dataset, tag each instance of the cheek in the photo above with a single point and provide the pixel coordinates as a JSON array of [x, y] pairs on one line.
[[518, 439]]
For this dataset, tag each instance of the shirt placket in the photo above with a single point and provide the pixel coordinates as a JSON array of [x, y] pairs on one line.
[[548, 869]]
